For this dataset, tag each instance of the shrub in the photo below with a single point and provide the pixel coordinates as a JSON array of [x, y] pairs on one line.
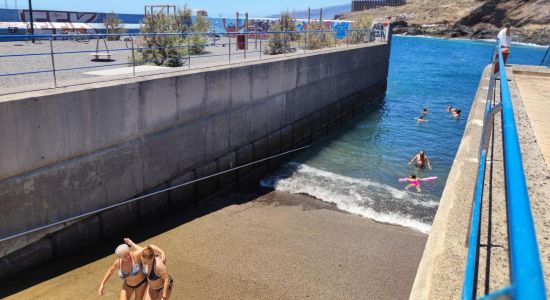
[[113, 25], [280, 43], [359, 23], [167, 50], [198, 41], [319, 36]]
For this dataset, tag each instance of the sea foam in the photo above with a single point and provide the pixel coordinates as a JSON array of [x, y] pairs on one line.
[[349, 194]]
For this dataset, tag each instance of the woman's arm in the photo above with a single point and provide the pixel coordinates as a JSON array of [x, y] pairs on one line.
[[410, 162], [428, 163], [131, 243], [139, 248], [161, 271], [159, 251], [108, 274]]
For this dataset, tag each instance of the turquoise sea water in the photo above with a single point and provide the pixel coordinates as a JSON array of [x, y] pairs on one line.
[[358, 167]]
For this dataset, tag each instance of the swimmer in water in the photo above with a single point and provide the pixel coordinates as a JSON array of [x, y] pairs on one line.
[[425, 111], [413, 181], [421, 120], [456, 113], [422, 160]]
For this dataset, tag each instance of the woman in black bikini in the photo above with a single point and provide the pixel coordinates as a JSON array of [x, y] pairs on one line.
[[129, 266], [160, 282]]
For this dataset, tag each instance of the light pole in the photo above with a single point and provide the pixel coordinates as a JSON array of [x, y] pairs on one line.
[[32, 20]]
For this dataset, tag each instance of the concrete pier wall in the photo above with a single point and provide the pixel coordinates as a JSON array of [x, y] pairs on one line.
[[68, 151]]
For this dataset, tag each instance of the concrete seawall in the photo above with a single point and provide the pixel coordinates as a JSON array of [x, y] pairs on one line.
[[69, 151]]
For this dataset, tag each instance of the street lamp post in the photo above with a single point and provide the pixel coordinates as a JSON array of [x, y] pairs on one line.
[[32, 20]]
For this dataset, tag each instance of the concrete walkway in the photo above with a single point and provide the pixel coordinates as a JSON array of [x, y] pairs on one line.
[[535, 91], [278, 246], [441, 271]]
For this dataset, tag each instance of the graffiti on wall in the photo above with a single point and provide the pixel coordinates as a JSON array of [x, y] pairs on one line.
[[70, 22]]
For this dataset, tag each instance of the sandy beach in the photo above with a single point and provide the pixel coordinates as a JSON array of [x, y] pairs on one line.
[[256, 245]]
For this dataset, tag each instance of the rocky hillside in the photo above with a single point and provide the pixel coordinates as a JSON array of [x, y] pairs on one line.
[[530, 19]]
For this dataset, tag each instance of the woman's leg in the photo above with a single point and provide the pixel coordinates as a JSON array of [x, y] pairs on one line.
[[126, 292], [140, 291], [152, 294], [169, 292], [147, 294]]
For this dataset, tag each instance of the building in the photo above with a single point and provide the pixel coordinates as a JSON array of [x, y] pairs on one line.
[[358, 5]]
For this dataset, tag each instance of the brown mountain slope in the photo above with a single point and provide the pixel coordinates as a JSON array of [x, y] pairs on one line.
[[530, 19]]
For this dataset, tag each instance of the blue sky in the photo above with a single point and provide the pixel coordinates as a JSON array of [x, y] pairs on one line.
[[258, 8]]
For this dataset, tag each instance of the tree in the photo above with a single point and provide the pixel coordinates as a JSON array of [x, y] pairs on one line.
[[198, 41], [113, 25], [284, 38], [162, 48]]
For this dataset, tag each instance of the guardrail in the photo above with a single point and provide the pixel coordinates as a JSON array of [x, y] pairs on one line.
[[527, 281], [64, 54], [545, 55]]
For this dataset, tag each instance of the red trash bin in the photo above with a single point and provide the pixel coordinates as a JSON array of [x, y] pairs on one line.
[[241, 41]]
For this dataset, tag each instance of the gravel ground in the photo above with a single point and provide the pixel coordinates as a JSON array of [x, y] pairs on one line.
[[120, 54]]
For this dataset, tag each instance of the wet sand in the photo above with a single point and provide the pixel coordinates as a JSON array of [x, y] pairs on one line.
[[276, 246]]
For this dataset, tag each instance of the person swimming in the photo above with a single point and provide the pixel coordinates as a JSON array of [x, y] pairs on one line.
[[422, 160], [413, 181], [425, 111], [457, 113], [421, 119]]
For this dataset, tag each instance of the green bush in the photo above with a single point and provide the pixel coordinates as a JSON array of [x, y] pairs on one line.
[[319, 37], [113, 25], [165, 50], [362, 23], [280, 43]]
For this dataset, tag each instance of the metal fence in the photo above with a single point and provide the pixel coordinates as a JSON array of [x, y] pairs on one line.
[[527, 280], [31, 62]]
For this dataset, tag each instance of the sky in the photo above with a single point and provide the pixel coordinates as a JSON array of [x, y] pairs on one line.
[[215, 8]]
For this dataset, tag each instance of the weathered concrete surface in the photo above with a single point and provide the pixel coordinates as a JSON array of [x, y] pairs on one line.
[[441, 271], [106, 142], [278, 246], [534, 89]]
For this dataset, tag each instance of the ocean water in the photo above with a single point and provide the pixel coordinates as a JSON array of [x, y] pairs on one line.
[[358, 166]]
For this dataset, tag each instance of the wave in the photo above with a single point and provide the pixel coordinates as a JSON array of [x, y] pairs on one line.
[[358, 196]]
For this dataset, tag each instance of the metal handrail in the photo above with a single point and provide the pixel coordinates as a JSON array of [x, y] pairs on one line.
[[527, 281], [545, 55], [134, 199]]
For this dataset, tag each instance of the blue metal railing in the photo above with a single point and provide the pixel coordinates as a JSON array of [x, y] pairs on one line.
[[545, 55], [527, 281]]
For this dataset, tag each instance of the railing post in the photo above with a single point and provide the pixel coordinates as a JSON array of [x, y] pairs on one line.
[[245, 43], [260, 48], [229, 48], [188, 51], [305, 42], [285, 43], [53, 62], [133, 59]]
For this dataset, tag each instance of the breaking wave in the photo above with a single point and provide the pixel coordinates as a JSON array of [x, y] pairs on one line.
[[363, 197]]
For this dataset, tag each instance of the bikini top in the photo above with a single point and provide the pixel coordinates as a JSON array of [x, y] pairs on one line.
[[136, 268], [152, 276]]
